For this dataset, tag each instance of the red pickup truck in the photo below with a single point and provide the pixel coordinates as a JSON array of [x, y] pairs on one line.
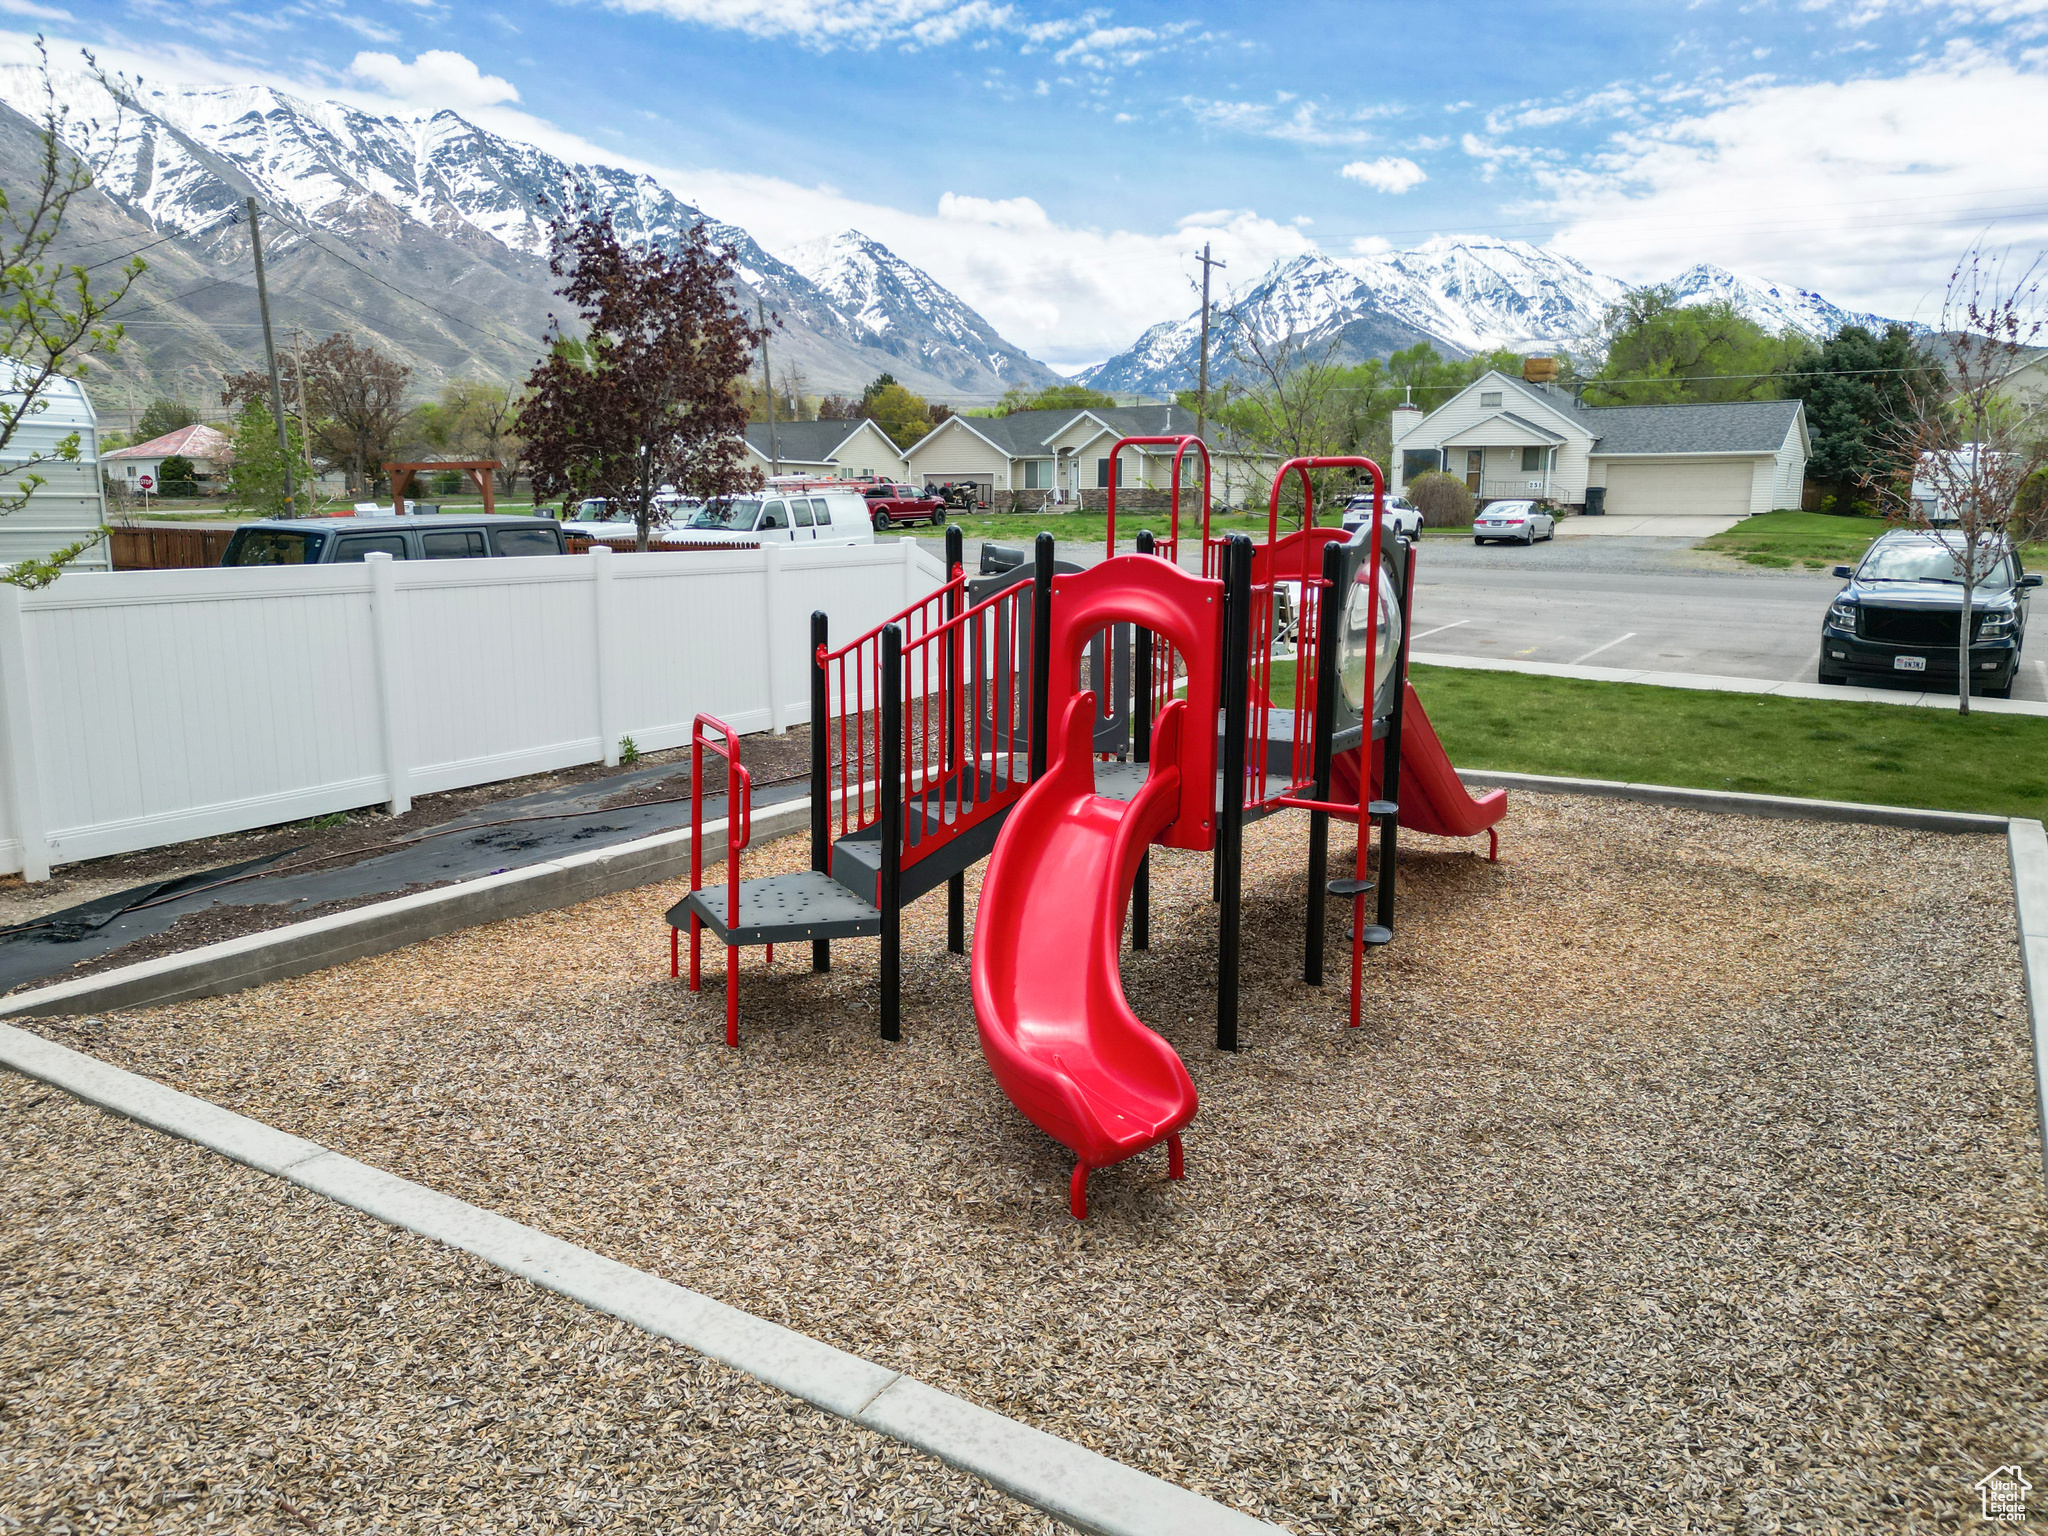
[[889, 505]]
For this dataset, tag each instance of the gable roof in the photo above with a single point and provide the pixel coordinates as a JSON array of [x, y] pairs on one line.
[[801, 442], [1029, 434], [197, 441], [1738, 426], [1537, 430]]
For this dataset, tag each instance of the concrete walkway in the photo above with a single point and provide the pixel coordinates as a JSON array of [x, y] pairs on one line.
[[1714, 684], [1666, 527]]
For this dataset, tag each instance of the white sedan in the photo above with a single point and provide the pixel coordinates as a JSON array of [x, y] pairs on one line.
[[1522, 521]]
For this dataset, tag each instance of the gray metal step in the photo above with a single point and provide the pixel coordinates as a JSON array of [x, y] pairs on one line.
[[782, 909]]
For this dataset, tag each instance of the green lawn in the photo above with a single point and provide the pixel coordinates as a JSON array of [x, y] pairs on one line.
[[1886, 754], [1798, 538], [1816, 540]]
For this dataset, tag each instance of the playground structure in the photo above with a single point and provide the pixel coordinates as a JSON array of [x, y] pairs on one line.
[[960, 729]]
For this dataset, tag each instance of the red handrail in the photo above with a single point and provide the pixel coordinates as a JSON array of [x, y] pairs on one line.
[[905, 618], [1182, 442], [739, 831]]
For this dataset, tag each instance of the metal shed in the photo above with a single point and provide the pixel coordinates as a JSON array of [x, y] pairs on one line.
[[72, 502]]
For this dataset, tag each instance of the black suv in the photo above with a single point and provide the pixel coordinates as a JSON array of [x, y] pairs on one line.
[[1901, 616]]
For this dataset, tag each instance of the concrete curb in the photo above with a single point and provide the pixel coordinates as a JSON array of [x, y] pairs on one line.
[[1728, 802], [320, 942], [1069, 1482], [1707, 682], [2028, 843]]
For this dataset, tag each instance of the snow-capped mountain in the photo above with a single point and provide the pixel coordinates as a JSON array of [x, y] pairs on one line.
[[1462, 295], [1777, 307], [433, 232]]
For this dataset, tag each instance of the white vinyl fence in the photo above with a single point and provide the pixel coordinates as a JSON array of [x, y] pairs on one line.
[[140, 708]]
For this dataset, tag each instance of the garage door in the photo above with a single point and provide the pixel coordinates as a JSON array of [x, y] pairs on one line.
[[1679, 488]]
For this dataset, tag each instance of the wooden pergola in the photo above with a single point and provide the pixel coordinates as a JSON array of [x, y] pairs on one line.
[[478, 470]]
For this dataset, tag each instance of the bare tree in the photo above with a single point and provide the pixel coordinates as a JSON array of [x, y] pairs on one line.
[[1968, 443], [1292, 404], [53, 317]]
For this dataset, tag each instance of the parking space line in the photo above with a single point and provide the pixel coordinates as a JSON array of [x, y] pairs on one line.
[[1437, 631], [1599, 648]]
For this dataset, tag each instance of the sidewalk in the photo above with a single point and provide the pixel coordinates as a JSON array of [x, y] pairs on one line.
[[1713, 684]]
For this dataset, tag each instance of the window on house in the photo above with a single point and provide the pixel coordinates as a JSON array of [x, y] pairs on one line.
[[1037, 474], [1102, 473], [1420, 461], [1532, 458], [1489, 399]]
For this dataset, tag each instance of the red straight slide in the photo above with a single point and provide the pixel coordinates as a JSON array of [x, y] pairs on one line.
[[1433, 798], [1048, 992]]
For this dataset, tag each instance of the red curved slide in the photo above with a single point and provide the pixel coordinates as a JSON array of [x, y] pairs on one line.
[[1048, 993], [1433, 798]]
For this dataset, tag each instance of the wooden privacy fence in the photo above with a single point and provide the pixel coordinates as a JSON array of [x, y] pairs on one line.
[[150, 548], [141, 708]]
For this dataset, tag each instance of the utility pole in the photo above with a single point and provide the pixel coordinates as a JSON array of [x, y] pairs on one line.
[[1202, 383], [768, 390], [284, 441]]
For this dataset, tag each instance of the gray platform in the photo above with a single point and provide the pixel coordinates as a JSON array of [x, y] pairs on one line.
[[1122, 781], [782, 909]]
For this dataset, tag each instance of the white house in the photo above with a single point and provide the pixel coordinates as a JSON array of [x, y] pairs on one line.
[[1068, 452], [1508, 437], [71, 503], [207, 449], [824, 448]]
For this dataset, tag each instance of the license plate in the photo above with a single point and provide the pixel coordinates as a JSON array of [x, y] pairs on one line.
[[1909, 663]]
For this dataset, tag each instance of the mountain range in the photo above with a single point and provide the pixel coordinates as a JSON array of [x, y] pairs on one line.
[[1463, 295], [430, 234]]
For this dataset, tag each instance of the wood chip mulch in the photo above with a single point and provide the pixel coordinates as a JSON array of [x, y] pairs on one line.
[[192, 1346], [1683, 1177]]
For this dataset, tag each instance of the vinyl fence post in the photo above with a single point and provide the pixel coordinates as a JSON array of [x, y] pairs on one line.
[[909, 569], [771, 619], [384, 633], [18, 740], [604, 652]]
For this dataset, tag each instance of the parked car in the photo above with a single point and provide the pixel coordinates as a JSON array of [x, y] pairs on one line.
[[1403, 516], [1523, 522], [596, 518], [335, 541], [1901, 615], [833, 517], [890, 504]]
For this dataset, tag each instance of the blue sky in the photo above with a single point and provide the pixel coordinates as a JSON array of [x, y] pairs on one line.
[[1057, 165]]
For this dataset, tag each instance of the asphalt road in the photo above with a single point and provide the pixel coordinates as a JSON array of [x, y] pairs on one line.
[[1656, 604]]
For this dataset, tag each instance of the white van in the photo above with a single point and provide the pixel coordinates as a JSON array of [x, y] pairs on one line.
[[820, 517]]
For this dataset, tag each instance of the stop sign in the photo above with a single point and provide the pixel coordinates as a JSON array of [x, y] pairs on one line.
[[147, 482]]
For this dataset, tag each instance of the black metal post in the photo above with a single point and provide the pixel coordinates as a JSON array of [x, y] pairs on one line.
[[1041, 654], [1237, 647], [821, 775], [889, 822], [1390, 775], [956, 887], [1329, 618], [1141, 752]]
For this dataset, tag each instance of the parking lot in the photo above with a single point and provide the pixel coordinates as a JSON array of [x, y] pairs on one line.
[[1654, 603]]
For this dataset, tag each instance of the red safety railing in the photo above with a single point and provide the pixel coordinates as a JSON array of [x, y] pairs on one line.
[[739, 830], [853, 691], [966, 721], [1181, 445], [1297, 560]]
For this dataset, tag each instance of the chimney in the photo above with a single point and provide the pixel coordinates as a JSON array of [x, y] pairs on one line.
[[1406, 415], [1539, 370]]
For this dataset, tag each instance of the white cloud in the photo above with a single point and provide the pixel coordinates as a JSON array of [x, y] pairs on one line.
[[30, 8], [1308, 123], [998, 213], [1389, 173], [1864, 190], [434, 80], [868, 24]]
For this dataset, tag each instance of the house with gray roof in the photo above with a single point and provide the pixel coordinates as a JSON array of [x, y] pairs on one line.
[[824, 448], [1065, 455], [1511, 438]]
